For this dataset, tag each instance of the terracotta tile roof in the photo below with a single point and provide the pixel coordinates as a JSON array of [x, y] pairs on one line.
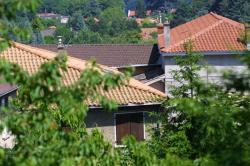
[[210, 32], [30, 59], [112, 55]]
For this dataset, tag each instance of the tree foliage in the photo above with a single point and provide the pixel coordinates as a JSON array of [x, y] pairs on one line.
[[140, 9], [10, 11], [187, 10], [204, 122], [46, 109], [47, 119]]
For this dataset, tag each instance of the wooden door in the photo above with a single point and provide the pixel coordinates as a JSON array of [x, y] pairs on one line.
[[122, 127], [129, 124], [136, 126]]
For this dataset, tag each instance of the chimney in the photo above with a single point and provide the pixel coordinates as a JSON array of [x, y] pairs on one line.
[[60, 45], [248, 37], [167, 33], [160, 28]]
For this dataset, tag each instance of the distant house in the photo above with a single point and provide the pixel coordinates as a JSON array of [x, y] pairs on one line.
[[131, 13], [216, 37], [135, 99], [148, 12], [63, 19], [49, 15], [6, 91], [144, 58]]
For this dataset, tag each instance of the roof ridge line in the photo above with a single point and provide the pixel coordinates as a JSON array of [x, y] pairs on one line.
[[36, 51], [197, 34], [95, 44], [71, 61], [216, 15], [228, 20], [188, 22], [78, 65]]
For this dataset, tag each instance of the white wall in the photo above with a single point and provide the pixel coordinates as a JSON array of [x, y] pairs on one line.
[[7, 140], [215, 65]]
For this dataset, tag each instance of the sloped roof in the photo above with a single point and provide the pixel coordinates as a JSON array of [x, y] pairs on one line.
[[112, 55], [6, 88], [210, 32], [31, 58]]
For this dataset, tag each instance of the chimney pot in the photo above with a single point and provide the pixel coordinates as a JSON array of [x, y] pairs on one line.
[[60, 45], [160, 28]]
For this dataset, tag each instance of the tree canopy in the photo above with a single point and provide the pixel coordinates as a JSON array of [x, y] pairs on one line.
[[207, 123]]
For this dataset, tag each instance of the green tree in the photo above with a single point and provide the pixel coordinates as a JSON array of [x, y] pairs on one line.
[[91, 9], [9, 10], [88, 37], [47, 107], [112, 21], [127, 37], [47, 118], [171, 137], [186, 77], [140, 9], [210, 126], [76, 21], [238, 10], [105, 4], [66, 33]]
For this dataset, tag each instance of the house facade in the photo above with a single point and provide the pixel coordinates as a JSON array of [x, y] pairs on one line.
[[136, 100], [217, 38], [6, 92], [127, 120]]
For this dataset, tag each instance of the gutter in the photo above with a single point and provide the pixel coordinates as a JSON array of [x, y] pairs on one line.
[[137, 65], [205, 53], [10, 91], [129, 105]]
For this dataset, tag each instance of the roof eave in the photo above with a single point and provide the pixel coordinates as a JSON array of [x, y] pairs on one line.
[[204, 53], [136, 65], [130, 105], [8, 92]]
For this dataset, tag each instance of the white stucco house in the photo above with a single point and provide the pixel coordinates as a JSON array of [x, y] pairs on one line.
[[218, 39]]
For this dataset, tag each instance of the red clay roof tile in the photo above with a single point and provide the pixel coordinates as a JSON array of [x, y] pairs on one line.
[[210, 32], [31, 58]]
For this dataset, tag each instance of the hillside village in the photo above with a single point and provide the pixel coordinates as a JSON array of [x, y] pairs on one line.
[[124, 83]]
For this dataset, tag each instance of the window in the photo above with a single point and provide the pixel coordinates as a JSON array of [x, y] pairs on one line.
[[129, 124], [2, 102]]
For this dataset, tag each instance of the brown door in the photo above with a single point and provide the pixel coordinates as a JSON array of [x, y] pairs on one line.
[[122, 127], [129, 124], [136, 126]]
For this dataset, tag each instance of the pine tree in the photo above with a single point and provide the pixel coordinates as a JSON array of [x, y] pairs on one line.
[[140, 9], [238, 10], [77, 22]]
